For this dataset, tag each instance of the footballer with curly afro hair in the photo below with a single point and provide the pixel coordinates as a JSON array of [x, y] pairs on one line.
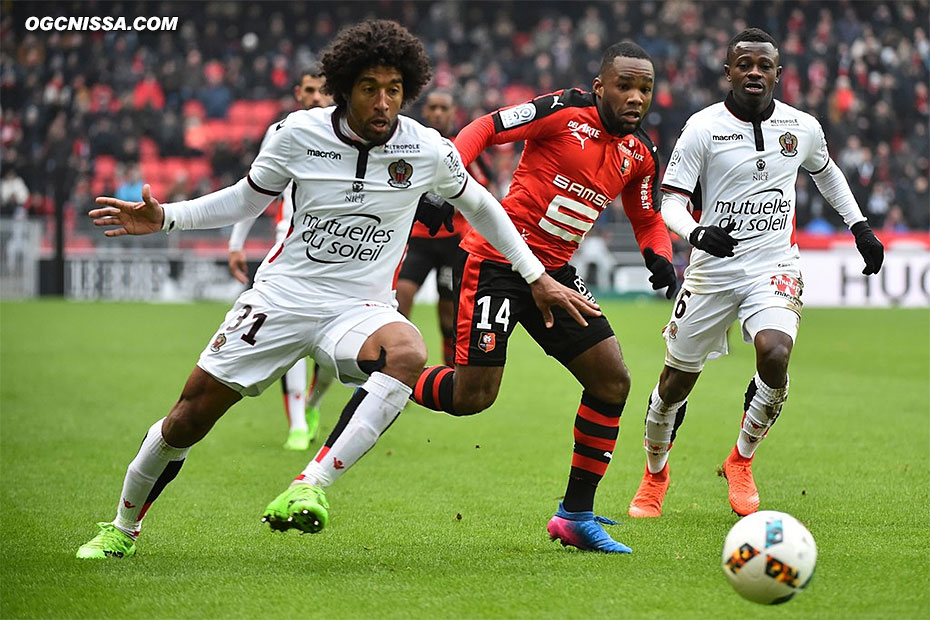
[[374, 43]]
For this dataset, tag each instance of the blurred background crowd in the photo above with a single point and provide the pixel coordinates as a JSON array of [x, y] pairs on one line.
[[88, 113]]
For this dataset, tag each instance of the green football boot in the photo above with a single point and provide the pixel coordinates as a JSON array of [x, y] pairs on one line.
[[302, 507], [297, 439], [313, 422], [111, 542]]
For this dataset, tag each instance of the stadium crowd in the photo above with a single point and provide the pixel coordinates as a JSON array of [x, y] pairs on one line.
[[88, 112]]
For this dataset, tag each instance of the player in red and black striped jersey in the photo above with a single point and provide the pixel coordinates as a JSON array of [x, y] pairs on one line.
[[583, 150]]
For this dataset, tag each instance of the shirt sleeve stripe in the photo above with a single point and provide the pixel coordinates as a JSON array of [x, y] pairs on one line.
[[460, 192], [675, 190], [824, 167], [259, 189]]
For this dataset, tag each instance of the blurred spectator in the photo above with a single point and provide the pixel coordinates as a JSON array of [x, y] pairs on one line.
[[13, 193], [130, 189], [863, 68]]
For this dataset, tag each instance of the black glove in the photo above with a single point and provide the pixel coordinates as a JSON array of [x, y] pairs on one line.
[[434, 212], [872, 250], [663, 273], [714, 240]]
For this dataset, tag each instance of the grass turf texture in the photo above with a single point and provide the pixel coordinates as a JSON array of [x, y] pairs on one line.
[[446, 517]]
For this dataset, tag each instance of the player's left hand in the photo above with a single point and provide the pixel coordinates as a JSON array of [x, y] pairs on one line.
[[132, 218], [663, 273], [548, 293], [434, 212], [872, 250]]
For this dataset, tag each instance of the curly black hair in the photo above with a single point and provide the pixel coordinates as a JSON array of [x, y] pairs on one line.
[[374, 43]]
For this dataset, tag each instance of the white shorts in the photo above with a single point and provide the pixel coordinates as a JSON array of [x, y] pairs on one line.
[[697, 330], [259, 341]]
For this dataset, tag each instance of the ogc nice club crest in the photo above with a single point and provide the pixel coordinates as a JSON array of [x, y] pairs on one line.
[[399, 173]]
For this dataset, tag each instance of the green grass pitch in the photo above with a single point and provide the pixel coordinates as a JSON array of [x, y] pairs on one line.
[[445, 518]]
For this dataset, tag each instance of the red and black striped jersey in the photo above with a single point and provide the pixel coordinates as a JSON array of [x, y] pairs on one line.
[[570, 171]]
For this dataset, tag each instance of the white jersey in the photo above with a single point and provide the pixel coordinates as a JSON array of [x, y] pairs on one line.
[[242, 228], [353, 205], [747, 172]]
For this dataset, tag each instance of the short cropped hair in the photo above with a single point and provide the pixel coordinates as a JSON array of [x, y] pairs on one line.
[[750, 34], [374, 43], [314, 71], [625, 49]]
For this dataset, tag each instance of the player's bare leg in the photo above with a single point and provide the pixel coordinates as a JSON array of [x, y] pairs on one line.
[[765, 396], [446, 310], [405, 291], [606, 382], [202, 402], [393, 356]]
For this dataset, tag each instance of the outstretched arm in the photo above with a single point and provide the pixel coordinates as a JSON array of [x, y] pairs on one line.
[[221, 208], [129, 218]]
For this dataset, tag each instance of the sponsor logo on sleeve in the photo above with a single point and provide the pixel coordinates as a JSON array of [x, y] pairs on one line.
[[512, 117], [454, 163]]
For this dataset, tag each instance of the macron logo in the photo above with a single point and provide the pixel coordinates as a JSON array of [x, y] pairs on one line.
[[324, 154], [728, 138]]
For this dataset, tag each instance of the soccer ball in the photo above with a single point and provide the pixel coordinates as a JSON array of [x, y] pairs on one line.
[[769, 557]]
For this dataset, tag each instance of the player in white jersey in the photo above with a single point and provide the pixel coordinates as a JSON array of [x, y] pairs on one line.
[[303, 410], [744, 154], [358, 169]]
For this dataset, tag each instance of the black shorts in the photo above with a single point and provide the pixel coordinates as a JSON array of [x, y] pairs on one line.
[[492, 299], [425, 254]]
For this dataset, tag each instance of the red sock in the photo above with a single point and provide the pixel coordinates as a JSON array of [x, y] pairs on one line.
[[434, 389]]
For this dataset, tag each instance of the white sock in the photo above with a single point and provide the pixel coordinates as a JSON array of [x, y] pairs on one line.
[[156, 462], [373, 408], [760, 415], [295, 388], [660, 423], [322, 379]]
